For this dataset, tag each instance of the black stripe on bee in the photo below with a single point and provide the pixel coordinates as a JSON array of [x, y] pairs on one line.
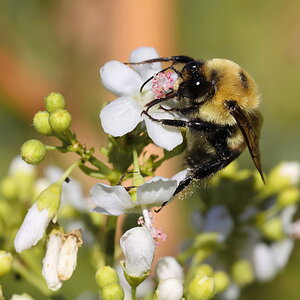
[[244, 80]]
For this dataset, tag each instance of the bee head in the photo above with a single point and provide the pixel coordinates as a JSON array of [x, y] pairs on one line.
[[194, 85]]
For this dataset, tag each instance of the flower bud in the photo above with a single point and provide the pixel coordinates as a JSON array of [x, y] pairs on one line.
[[204, 270], [242, 272], [170, 289], [41, 123], [201, 288], [60, 120], [138, 247], [67, 259], [221, 281], [33, 152], [9, 187], [112, 292], [273, 229], [106, 275], [288, 196], [168, 267], [38, 218], [54, 101], [5, 262], [50, 261], [50, 198]]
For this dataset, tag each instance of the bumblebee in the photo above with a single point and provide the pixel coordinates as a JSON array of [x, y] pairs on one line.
[[218, 101]]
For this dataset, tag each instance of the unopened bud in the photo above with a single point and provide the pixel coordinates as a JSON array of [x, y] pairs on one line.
[[170, 289], [50, 198], [5, 262], [201, 288], [221, 281], [33, 152], [54, 101], [106, 275], [41, 123], [60, 120], [204, 270], [112, 292], [273, 229], [242, 272], [288, 196]]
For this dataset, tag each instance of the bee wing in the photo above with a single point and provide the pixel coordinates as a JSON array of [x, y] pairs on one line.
[[250, 127]]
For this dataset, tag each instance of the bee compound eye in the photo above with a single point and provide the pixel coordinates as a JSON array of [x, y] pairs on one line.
[[196, 88]]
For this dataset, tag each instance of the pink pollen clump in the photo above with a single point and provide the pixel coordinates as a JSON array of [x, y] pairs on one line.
[[157, 233], [162, 83]]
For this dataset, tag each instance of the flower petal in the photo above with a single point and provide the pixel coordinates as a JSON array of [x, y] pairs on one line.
[[282, 251], [168, 267], [156, 191], [264, 262], [163, 136], [170, 289], [120, 116], [32, 229], [120, 79], [50, 260], [110, 200], [141, 54], [138, 247]]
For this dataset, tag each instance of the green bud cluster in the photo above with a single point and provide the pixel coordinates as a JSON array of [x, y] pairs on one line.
[[108, 282], [55, 120]]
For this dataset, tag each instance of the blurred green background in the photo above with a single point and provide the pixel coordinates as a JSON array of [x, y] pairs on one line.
[[59, 45]]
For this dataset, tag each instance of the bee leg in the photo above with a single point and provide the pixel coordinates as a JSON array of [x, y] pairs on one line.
[[156, 101], [184, 110], [207, 169]]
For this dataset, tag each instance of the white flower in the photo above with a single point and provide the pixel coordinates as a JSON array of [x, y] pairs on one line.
[[168, 267], [50, 261], [124, 114], [138, 247], [67, 259], [264, 262], [33, 228], [170, 289], [290, 170], [281, 252], [115, 200], [219, 220], [61, 257]]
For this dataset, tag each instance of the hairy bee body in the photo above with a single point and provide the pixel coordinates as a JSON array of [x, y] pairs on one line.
[[218, 101]]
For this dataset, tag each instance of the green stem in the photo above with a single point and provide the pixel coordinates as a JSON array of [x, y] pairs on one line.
[[104, 169], [109, 240], [69, 170], [32, 279], [92, 172], [133, 292]]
